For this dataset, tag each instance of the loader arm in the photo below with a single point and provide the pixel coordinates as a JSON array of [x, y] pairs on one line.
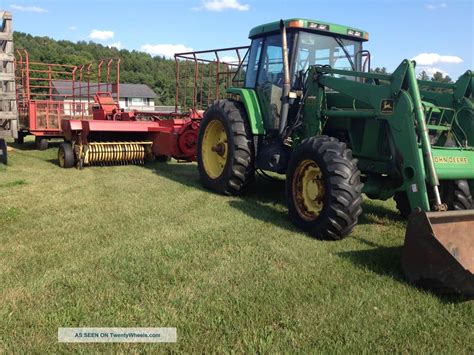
[[387, 130], [427, 135]]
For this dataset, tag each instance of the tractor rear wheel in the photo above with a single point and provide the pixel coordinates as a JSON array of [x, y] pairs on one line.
[[225, 151], [323, 188], [456, 194], [66, 155]]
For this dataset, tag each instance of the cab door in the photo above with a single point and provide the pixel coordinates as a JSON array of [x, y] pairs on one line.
[[269, 84]]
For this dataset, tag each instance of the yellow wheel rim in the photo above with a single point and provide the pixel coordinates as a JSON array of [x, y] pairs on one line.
[[308, 190], [214, 150], [61, 157]]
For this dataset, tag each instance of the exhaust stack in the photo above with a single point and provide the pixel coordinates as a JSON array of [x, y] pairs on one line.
[[285, 99]]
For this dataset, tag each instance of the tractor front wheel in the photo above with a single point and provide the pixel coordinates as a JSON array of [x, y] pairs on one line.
[[225, 151], [323, 187]]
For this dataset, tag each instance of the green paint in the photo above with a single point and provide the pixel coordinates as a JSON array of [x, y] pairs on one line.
[[386, 144], [396, 126], [453, 163], [250, 101], [306, 24]]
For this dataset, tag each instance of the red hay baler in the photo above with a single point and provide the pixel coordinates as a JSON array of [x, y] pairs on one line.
[[114, 137]]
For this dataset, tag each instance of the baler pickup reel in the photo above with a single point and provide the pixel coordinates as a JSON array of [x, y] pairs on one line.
[[117, 153]]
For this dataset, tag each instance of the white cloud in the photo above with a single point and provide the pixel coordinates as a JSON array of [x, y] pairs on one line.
[[72, 28], [434, 58], [167, 50], [430, 70], [433, 7], [229, 59], [117, 45], [221, 5], [28, 8], [101, 35]]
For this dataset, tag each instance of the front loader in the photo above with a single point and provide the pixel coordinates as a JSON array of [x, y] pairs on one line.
[[304, 103]]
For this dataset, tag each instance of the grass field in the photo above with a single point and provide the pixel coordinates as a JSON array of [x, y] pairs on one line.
[[133, 246]]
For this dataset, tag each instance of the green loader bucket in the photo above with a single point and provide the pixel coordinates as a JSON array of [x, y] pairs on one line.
[[439, 251]]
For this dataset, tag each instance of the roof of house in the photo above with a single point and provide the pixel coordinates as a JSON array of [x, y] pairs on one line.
[[126, 90]]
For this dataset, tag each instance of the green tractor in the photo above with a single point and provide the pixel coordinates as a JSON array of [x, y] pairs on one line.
[[304, 103]]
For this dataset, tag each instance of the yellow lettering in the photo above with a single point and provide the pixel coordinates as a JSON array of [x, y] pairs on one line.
[[451, 160]]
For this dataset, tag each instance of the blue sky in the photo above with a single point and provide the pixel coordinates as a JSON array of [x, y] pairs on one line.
[[439, 34]]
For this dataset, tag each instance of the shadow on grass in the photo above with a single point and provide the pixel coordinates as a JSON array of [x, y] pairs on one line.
[[183, 173], [30, 144], [265, 201], [379, 211], [385, 261], [55, 162]]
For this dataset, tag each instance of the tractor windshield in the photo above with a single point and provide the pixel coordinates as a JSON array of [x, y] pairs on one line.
[[316, 49], [264, 60]]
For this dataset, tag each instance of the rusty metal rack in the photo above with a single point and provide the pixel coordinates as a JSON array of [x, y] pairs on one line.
[[203, 76], [46, 93]]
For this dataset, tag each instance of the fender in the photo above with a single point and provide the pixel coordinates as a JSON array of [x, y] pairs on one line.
[[249, 98]]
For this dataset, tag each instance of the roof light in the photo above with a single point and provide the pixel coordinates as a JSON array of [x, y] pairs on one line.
[[354, 33], [318, 26], [297, 23], [357, 33]]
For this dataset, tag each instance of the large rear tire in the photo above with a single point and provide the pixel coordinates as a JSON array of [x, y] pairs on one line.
[[323, 188], [225, 151], [456, 194]]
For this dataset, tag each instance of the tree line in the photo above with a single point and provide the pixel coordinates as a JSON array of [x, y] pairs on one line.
[[423, 75], [136, 67]]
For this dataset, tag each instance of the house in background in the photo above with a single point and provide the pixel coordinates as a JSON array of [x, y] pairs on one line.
[[132, 96]]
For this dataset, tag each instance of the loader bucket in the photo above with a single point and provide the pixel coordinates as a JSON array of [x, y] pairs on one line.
[[439, 251]]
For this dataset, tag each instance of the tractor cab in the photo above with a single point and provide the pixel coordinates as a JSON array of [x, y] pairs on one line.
[[309, 43]]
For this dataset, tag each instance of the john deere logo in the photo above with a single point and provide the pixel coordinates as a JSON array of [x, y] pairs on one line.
[[451, 160], [386, 106]]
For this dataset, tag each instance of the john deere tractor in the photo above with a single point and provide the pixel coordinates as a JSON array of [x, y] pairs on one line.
[[304, 103]]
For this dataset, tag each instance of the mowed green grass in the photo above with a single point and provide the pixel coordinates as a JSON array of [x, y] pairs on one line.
[[133, 246]]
